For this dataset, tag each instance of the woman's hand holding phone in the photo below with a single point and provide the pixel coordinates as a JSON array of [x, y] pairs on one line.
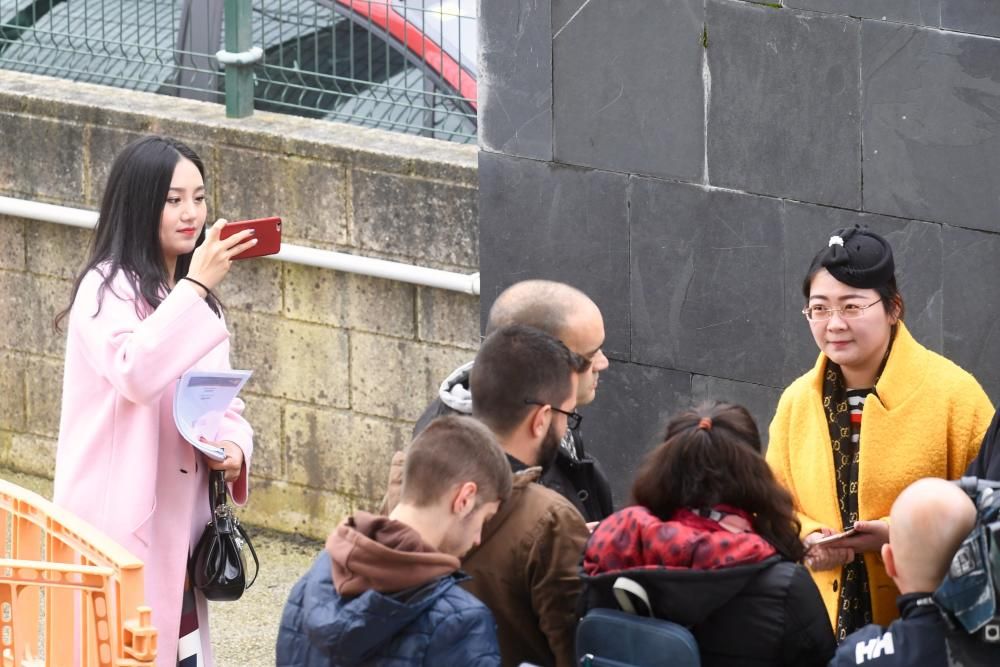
[[211, 261], [867, 536], [826, 556]]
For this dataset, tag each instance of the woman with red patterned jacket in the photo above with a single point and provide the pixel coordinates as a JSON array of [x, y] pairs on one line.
[[713, 539]]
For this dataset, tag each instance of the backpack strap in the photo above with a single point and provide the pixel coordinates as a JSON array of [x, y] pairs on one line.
[[629, 594]]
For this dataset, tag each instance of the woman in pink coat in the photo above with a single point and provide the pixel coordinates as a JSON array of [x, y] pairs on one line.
[[142, 313]]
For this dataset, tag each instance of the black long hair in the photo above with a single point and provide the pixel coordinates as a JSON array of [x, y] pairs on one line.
[[699, 467], [127, 236]]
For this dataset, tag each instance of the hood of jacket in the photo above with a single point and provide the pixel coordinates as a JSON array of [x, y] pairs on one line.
[[454, 391], [377, 553], [385, 577], [690, 565]]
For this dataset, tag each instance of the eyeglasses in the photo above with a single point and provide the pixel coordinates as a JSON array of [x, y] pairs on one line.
[[851, 311], [573, 419]]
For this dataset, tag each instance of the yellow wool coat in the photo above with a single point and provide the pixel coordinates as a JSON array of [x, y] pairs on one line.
[[928, 420]]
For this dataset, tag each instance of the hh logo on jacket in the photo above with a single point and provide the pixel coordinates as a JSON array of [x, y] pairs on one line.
[[871, 649]]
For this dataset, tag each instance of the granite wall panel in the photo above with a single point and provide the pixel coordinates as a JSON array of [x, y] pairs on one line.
[[931, 125], [567, 224], [785, 106], [617, 107], [706, 284], [919, 12], [515, 78], [626, 420], [760, 400], [979, 17], [970, 276]]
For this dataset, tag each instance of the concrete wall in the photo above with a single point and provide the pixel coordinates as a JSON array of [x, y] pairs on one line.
[[682, 161], [342, 364]]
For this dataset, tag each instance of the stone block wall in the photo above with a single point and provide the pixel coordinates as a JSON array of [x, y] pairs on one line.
[[343, 364], [682, 160]]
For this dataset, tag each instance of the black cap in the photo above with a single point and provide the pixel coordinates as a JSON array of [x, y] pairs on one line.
[[857, 257]]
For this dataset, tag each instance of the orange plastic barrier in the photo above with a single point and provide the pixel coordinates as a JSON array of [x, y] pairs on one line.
[[69, 595]]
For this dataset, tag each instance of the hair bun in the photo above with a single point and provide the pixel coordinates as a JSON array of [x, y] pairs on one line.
[[857, 257]]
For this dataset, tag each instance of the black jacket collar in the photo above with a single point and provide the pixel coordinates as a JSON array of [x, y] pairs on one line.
[[913, 605]]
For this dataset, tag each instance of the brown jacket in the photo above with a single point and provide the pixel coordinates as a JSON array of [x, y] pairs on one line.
[[526, 570]]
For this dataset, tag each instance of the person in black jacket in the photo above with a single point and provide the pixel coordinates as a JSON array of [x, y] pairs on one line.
[[568, 314], [929, 520], [713, 539], [986, 465]]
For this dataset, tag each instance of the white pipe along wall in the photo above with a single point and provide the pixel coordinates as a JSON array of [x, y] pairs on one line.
[[324, 259]]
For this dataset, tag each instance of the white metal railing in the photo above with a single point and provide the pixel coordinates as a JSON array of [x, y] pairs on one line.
[[324, 259]]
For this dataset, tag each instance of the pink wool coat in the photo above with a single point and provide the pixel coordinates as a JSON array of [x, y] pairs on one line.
[[121, 463]]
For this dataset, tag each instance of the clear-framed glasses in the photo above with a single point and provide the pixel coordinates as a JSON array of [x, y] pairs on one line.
[[819, 313], [573, 419]]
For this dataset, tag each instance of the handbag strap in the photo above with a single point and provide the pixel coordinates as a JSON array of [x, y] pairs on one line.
[[217, 489], [249, 544], [217, 497]]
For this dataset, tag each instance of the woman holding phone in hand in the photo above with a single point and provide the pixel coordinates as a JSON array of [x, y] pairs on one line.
[[142, 313], [876, 412]]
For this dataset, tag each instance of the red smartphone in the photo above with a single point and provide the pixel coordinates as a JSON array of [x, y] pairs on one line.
[[267, 231]]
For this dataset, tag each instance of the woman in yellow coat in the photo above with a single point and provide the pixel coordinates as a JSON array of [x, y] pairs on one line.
[[877, 412]]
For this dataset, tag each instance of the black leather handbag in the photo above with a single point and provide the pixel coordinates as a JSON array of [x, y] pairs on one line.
[[218, 567]]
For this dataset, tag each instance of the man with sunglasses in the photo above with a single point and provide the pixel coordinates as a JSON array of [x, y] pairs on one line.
[[570, 316]]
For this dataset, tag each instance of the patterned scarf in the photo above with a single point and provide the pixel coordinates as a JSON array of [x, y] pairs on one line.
[[854, 609]]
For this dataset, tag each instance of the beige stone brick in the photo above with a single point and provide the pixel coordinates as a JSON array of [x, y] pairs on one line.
[[397, 378], [341, 451], [12, 243], [423, 219], [40, 484], [16, 304], [295, 509], [264, 414], [254, 285], [296, 360], [349, 301], [106, 143], [33, 308], [56, 174], [57, 250], [309, 195], [12, 404], [5, 472], [43, 395], [32, 454], [448, 318]]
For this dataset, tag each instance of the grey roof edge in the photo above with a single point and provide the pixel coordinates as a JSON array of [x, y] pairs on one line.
[[365, 148]]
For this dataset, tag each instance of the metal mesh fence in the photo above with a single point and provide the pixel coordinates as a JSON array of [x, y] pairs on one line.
[[404, 65]]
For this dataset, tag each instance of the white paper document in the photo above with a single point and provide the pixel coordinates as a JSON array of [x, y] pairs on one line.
[[200, 401]]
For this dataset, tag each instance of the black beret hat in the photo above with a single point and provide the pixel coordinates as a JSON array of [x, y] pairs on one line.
[[857, 257]]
